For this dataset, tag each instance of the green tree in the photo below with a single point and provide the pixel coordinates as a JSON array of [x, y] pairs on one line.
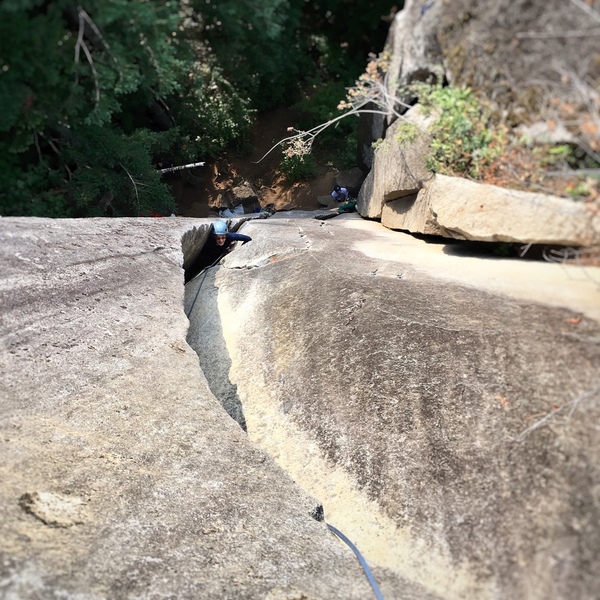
[[93, 93], [259, 46], [65, 74]]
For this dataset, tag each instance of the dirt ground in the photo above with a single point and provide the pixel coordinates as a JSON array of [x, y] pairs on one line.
[[202, 191]]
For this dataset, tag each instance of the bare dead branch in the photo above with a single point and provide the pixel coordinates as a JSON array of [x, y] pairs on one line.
[[78, 47], [571, 172], [311, 134], [81, 45], [83, 15], [90, 60], [368, 91], [132, 180], [134, 185]]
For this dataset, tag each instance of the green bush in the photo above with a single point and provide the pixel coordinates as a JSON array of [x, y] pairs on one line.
[[406, 133], [298, 167], [463, 142]]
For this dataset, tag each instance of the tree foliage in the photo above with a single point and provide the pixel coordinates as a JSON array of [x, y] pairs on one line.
[[93, 94], [67, 74]]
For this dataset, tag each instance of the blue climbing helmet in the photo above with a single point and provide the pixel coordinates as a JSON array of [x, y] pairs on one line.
[[219, 228], [337, 188]]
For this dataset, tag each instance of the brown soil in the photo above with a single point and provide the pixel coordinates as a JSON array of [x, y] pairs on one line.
[[201, 192]]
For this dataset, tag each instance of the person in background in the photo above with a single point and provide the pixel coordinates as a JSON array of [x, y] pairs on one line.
[[340, 194]]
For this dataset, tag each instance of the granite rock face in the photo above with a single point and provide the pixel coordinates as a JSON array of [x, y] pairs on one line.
[[122, 475], [399, 168], [424, 396], [501, 49], [244, 194]]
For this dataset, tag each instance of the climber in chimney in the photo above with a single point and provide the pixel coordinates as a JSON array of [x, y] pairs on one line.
[[220, 242]]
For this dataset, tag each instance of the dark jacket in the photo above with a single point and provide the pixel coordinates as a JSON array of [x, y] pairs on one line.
[[211, 252]]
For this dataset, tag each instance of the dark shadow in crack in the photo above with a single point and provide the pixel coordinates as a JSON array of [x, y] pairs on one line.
[[205, 336]]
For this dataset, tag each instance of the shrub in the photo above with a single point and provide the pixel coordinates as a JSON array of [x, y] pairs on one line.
[[407, 133], [298, 168], [463, 140], [298, 163]]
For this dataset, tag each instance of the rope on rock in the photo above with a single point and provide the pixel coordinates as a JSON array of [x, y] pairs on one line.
[[361, 560], [205, 271]]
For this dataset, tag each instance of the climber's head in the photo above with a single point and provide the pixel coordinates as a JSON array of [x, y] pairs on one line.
[[220, 232], [337, 188]]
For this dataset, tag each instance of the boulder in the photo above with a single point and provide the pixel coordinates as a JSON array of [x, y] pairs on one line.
[[442, 407], [371, 128], [410, 213], [122, 475], [514, 53], [244, 194], [522, 58], [399, 168], [463, 209], [326, 200], [414, 55], [413, 42]]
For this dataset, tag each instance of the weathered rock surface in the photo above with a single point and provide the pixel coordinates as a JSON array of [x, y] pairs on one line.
[[325, 200], [416, 54], [501, 49], [411, 213], [244, 194], [122, 476], [458, 208], [401, 385]]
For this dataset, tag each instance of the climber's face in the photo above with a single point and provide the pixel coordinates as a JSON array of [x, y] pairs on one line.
[[220, 239]]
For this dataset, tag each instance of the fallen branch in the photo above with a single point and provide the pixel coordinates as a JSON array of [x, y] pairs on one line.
[[587, 9], [366, 92], [573, 404], [180, 168], [543, 35], [311, 134]]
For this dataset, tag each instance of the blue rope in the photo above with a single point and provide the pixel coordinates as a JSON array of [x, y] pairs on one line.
[[361, 560]]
